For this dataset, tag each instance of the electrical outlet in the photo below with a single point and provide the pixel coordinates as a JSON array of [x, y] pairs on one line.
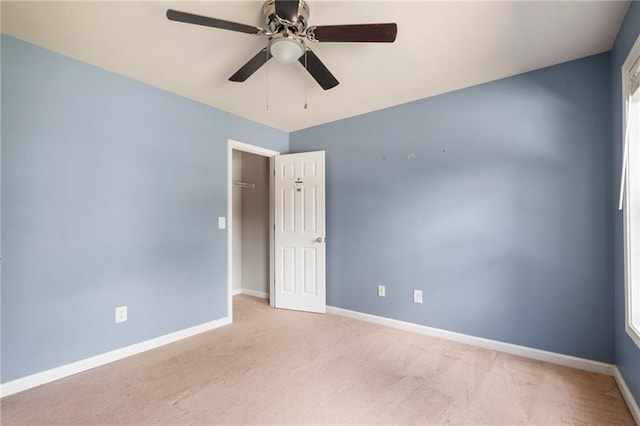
[[222, 222], [381, 291], [121, 314], [417, 296]]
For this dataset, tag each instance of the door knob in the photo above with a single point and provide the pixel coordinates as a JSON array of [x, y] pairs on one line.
[[319, 240]]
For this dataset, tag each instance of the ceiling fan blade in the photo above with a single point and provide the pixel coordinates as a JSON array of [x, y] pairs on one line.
[[287, 9], [318, 71], [189, 18], [252, 66], [357, 33]]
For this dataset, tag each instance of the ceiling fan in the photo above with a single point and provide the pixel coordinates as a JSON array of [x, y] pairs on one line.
[[287, 31]]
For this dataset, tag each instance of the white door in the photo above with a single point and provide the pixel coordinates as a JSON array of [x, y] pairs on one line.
[[299, 247]]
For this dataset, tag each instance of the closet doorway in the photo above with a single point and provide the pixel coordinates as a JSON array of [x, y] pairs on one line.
[[250, 221]]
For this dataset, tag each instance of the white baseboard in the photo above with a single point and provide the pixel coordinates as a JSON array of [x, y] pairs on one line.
[[254, 293], [47, 376], [249, 292], [537, 354], [627, 395]]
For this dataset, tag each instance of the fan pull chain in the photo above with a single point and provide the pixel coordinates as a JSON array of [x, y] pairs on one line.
[[267, 77], [304, 78]]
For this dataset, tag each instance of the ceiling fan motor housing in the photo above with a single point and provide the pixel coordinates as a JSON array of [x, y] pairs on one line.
[[292, 16]]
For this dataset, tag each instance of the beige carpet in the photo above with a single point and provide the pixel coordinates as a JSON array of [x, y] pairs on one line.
[[275, 366]]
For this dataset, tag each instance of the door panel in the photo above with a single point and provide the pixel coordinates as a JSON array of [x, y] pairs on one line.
[[310, 275], [289, 269], [288, 209], [299, 219], [309, 209]]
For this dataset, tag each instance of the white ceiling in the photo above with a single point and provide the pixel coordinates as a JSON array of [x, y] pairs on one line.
[[441, 46]]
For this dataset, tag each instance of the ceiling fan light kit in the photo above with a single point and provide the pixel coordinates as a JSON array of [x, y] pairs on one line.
[[287, 30], [286, 49]]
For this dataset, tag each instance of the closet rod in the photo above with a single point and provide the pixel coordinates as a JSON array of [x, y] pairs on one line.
[[244, 185]]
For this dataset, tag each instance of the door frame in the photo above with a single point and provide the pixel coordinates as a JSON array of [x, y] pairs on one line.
[[264, 152]]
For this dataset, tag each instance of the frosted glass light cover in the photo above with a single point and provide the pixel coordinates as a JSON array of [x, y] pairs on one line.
[[286, 50]]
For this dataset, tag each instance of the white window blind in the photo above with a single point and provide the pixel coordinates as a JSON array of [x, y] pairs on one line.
[[634, 78], [633, 92]]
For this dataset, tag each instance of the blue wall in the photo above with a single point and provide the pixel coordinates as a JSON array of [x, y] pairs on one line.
[[111, 191], [494, 200], [627, 353]]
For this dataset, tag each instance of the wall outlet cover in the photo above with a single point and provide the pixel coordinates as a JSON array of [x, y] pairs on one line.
[[417, 296], [121, 314], [381, 291]]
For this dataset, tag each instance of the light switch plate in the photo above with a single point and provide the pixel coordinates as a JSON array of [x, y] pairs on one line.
[[381, 291], [417, 296], [222, 222]]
